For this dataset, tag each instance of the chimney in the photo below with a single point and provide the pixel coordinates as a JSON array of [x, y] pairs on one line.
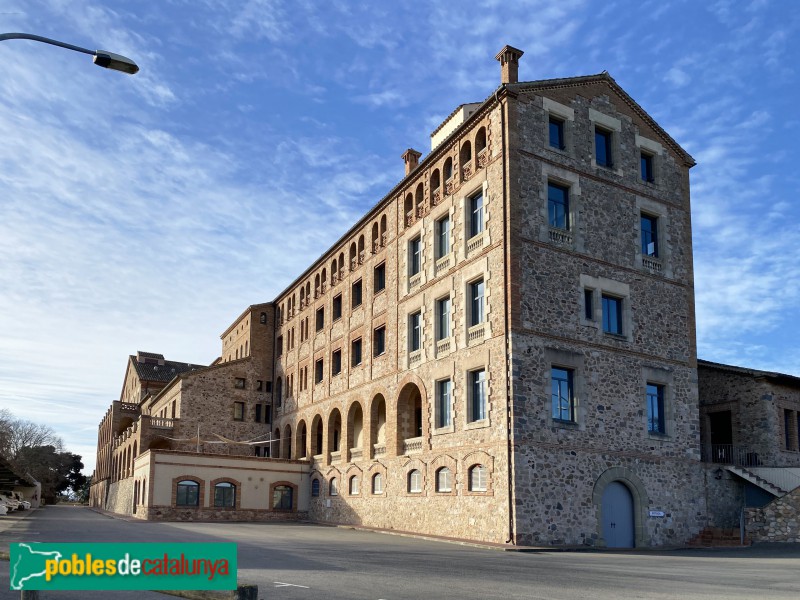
[[509, 64], [411, 158]]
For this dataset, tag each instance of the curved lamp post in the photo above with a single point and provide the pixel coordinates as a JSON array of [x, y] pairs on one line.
[[101, 58]]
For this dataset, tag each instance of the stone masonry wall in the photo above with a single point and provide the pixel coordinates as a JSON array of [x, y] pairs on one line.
[[120, 497], [778, 521], [561, 467], [355, 395]]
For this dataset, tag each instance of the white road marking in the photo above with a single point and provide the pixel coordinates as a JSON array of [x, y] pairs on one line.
[[281, 584]]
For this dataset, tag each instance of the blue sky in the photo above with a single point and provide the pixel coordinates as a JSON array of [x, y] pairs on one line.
[[145, 212]]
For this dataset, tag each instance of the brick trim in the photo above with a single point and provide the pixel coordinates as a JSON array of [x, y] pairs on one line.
[[237, 494], [295, 491], [201, 496]]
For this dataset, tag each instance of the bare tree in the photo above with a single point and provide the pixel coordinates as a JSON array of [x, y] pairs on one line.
[[16, 434]]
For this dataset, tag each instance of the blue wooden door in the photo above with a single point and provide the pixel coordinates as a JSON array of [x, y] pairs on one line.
[[618, 516]]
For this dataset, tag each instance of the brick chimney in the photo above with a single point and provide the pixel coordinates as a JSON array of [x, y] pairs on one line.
[[411, 158], [509, 64]]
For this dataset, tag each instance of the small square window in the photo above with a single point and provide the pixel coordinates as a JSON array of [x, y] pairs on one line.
[[476, 215], [442, 237], [320, 318], [318, 371], [336, 308], [602, 147], [238, 411], [646, 162], [415, 331], [556, 133], [356, 296], [379, 341], [656, 423], [558, 206], [649, 227], [414, 257], [336, 362], [380, 277], [240, 383], [612, 315], [562, 394]]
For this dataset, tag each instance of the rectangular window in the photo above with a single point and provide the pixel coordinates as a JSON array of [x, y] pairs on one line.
[[476, 215], [442, 237], [240, 383], [238, 411], [443, 318], [649, 226], [602, 147], [267, 413], [562, 396], [646, 162], [318, 371], [787, 428], [414, 248], [355, 353], [656, 423], [320, 318], [268, 387], [443, 390], [336, 362], [476, 314], [379, 341], [336, 309], [356, 296], [380, 277], [280, 345], [612, 314], [556, 130], [259, 386], [588, 305], [258, 413], [415, 331], [477, 384], [558, 206]]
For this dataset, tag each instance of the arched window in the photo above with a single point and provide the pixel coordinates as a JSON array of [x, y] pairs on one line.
[[480, 141], [377, 483], [448, 169], [419, 201], [188, 493], [263, 317], [302, 296], [444, 480], [354, 485], [353, 256], [279, 391], [225, 495], [477, 478], [360, 249], [408, 209], [383, 230], [315, 488], [466, 153], [282, 497], [341, 265], [435, 184], [415, 481], [333, 487], [375, 242], [316, 286], [324, 280], [334, 272]]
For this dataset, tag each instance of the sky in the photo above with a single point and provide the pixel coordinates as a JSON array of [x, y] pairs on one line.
[[146, 212]]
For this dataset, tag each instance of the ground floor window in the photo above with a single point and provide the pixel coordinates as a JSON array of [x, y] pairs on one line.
[[282, 497], [188, 493], [477, 479], [225, 495], [377, 483]]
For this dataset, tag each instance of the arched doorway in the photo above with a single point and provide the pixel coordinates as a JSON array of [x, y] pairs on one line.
[[410, 425], [618, 519]]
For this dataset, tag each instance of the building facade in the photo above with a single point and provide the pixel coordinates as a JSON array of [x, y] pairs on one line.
[[502, 349]]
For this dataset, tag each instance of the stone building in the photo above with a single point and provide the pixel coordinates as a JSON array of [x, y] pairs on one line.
[[502, 349]]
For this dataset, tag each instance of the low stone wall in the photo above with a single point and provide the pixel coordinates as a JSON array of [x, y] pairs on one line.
[[778, 521], [171, 513]]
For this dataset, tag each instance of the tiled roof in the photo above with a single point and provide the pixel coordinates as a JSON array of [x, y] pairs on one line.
[[782, 378], [152, 371]]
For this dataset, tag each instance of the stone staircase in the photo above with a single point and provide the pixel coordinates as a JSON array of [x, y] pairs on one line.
[[717, 537], [749, 475]]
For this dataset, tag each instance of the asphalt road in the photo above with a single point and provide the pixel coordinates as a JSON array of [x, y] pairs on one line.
[[303, 562]]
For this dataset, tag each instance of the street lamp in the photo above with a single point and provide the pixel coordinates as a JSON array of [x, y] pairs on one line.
[[101, 58]]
